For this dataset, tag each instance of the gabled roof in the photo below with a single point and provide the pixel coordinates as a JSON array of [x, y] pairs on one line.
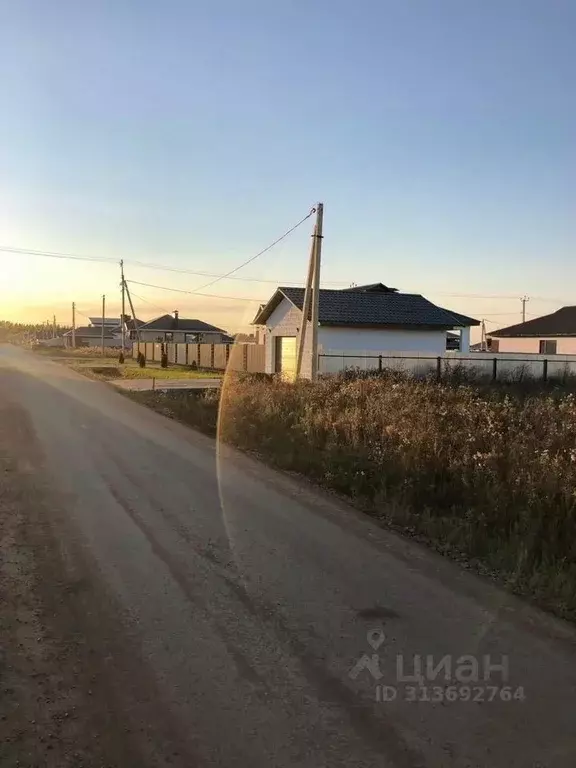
[[170, 323], [369, 308], [559, 323], [372, 288], [92, 332], [107, 321]]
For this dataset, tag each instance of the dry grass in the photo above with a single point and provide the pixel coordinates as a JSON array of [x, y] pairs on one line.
[[485, 474]]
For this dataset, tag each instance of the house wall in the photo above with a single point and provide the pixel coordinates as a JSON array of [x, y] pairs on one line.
[[179, 337], [566, 345], [382, 340], [286, 321]]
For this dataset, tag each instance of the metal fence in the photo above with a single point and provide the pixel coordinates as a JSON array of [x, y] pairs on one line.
[[249, 358], [497, 367]]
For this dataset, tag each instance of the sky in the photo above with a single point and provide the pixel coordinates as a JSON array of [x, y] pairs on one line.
[[440, 136]]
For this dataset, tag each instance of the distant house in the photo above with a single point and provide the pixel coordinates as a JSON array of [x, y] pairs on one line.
[[107, 322], [91, 336], [547, 335], [364, 318], [174, 328]]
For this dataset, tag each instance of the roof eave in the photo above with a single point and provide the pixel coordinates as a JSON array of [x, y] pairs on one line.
[[263, 314]]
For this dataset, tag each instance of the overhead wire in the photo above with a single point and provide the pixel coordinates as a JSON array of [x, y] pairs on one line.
[[260, 253], [195, 293], [147, 301]]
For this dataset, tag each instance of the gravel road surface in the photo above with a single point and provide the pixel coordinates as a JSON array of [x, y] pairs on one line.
[[140, 385], [166, 601]]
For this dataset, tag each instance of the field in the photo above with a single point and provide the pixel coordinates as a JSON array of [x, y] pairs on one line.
[[486, 475]]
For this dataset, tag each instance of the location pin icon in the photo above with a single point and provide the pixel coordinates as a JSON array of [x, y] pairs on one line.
[[376, 637]]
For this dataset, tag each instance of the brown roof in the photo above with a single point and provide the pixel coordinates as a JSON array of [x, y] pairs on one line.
[[559, 323]]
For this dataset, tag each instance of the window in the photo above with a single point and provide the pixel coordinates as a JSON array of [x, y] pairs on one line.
[[191, 338], [548, 346], [169, 336]]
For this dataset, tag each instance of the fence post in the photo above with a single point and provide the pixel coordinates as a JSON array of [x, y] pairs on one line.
[[439, 368], [227, 355], [379, 363], [544, 370], [245, 357], [211, 355], [494, 369], [198, 355]]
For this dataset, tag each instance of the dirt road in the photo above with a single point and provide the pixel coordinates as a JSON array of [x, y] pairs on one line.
[[168, 603]]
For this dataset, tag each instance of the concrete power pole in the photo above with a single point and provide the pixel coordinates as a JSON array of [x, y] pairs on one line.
[[103, 319], [53, 326], [524, 299], [74, 325], [133, 314], [316, 287], [123, 306], [483, 337], [306, 307]]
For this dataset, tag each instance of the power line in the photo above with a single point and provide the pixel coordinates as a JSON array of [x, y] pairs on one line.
[[146, 301], [195, 293], [260, 253], [57, 255]]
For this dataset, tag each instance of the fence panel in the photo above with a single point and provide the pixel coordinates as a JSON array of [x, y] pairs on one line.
[[149, 350], [181, 354], [134, 349], [171, 352], [193, 354], [220, 356], [236, 360], [205, 355], [499, 366], [256, 358]]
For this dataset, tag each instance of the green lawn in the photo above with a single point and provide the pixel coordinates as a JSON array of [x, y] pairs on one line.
[[108, 367]]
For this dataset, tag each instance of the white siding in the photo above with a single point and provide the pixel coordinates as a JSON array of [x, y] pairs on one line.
[[285, 320], [382, 340]]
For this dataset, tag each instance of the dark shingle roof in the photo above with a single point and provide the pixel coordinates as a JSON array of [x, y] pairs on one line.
[[169, 323], [559, 323], [343, 307], [372, 288]]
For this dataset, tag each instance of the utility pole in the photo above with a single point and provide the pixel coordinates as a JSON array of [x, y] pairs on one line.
[[74, 325], [132, 310], [123, 306], [53, 326], [306, 306], [316, 287], [103, 320], [524, 299], [483, 337]]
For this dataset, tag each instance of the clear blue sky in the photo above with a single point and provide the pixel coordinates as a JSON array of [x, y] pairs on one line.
[[440, 136]]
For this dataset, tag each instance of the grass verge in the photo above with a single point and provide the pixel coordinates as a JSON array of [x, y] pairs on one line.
[[486, 475], [107, 366]]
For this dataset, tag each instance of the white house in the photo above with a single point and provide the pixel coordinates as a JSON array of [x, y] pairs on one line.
[[547, 335], [360, 319]]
